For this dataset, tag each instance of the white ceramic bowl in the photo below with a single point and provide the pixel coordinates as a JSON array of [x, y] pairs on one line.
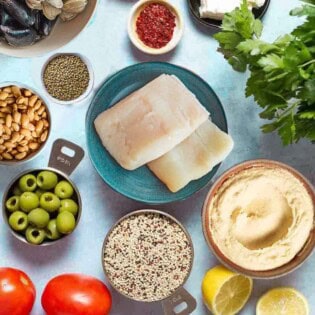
[[44, 100], [62, 34], [88, 89], [178, 31]]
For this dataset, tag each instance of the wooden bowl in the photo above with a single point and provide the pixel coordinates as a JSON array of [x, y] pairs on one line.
[[62, 34], [296, 262]]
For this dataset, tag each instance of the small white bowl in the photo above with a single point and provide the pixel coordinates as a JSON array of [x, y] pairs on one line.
[[88, 89], [177, 35]]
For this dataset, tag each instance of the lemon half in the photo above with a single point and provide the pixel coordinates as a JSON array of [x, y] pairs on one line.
[[282, 301], [225, 292]]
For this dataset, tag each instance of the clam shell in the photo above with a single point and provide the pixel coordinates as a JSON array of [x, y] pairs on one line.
[[66, 16], [49, 11], [34, 4], [74, 6], [55, 3]]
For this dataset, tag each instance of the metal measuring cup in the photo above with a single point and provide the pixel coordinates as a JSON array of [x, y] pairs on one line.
[[180, 295], [61, 164]]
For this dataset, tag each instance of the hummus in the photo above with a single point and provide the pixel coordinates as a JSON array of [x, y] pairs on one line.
[[261, 217]]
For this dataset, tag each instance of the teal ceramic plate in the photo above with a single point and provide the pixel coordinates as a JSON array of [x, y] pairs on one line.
[[141, 184]]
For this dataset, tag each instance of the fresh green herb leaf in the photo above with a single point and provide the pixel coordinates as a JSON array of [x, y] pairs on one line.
[[304, 10], [271, 62], [282, 73], [307, 92]]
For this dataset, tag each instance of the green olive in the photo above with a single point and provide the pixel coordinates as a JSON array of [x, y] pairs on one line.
[[17, 191], [28, 201], [13, 203], [27, 182], [38, 218], [69, 205], [64, 189], [49, 202], [39, 192], [34, 235], [65, 222], [18, 221], [47, 180], [51, 230]]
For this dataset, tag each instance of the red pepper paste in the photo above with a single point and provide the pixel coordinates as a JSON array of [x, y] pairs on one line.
[[155, 25]]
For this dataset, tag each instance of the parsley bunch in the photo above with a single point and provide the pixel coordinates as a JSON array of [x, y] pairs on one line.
[[282, 73]]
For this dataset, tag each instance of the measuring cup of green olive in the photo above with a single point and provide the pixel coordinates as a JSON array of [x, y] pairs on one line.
[[42, 206]]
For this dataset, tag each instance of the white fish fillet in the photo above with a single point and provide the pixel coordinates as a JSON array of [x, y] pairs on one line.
[[150, 122], [215, 9], [192, 158]]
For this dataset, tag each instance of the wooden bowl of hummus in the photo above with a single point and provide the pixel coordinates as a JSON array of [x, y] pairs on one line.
[[258, 219]]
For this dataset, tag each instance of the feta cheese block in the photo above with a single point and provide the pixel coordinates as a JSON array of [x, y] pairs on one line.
[[150, 122], [192, 158], [215, 9]]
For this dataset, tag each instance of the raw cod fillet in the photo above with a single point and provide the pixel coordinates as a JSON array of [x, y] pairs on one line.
[[215, 9], [150, 122], [192, 158]]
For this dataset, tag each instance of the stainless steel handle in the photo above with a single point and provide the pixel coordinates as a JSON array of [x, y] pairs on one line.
[[179, 297], [63, 162]]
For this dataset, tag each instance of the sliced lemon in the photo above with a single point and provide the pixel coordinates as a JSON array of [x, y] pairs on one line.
[[282, 301], [225, 292]]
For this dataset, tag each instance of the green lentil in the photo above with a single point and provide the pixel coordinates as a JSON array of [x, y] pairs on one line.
[[66, 77]]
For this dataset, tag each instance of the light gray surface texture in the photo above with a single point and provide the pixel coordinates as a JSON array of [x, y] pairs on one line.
[[105, 42]]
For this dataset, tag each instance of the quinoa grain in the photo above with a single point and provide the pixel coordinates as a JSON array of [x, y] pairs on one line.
[[147, 256]]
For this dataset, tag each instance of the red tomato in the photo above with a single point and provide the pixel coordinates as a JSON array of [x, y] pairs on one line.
[[17, 292], [76, 294]]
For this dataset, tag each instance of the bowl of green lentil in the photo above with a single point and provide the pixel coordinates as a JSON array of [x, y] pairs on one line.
[[67, 78]]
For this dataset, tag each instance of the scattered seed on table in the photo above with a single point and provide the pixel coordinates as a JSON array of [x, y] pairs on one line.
[[147, 257], [66, 77]]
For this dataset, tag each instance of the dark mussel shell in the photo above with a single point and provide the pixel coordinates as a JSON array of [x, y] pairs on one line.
[[6, 19], [42, 25], [19, 11], [19, 37]]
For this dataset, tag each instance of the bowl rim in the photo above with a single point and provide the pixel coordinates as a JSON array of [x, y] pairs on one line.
[[39, 54], [10, 186], [283, 270], [89, 88], [137, 42], [148, 211], [44, 100]]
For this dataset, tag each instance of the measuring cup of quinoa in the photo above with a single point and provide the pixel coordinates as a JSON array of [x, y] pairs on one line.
[[147, 256], [42, 206], [67, 78], [24, 123], [155, 26]]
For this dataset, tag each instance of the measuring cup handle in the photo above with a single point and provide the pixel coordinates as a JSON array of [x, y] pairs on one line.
[[63, 162], [180, 296]]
